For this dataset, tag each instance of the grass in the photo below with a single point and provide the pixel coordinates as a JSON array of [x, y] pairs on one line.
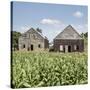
[[41, 69]]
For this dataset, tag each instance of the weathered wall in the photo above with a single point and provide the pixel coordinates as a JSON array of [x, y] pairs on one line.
[[32, 38], [46, 43], [58, 42]]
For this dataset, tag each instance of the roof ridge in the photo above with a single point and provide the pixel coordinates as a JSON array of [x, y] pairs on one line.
[[66, 29], [75, 31], [35, 31]]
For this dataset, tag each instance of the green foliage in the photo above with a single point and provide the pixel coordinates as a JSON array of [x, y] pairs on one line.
[[39, 30], [36, 69], [84, 35], [15, 37]]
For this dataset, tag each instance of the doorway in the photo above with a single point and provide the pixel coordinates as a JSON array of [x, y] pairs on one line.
[[31, 47], [69, 48], [28, 49]]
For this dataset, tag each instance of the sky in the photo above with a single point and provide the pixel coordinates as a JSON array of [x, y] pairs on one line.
[[51, 18]]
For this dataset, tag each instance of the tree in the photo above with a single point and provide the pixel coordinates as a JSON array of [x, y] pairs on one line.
[[15, 36], [39, 30], [84, 35]]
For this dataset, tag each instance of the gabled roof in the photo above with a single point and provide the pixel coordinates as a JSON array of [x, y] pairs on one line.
[[68, 33], [30, 30]]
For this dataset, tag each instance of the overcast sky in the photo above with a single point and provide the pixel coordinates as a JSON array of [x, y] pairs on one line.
[[51, 18]]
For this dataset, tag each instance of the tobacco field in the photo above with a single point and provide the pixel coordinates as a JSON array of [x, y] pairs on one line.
[[42, 69]]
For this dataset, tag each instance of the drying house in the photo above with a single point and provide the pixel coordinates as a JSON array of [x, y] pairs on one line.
[[68, 40], [33, 40]]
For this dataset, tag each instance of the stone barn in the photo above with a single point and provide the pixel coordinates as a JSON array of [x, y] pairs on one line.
[[68, 40], [33, 40]]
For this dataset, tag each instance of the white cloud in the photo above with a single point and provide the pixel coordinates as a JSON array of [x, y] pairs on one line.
[[81, 28], [53, 27], [22, 29], [52, 32], [78, 14], [50, 21]]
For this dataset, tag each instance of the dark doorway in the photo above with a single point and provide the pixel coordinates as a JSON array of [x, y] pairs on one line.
[[28, 48], [64, 49], [31, 47], [69, 48], [39, 46], [24, 46], [77, 47]]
